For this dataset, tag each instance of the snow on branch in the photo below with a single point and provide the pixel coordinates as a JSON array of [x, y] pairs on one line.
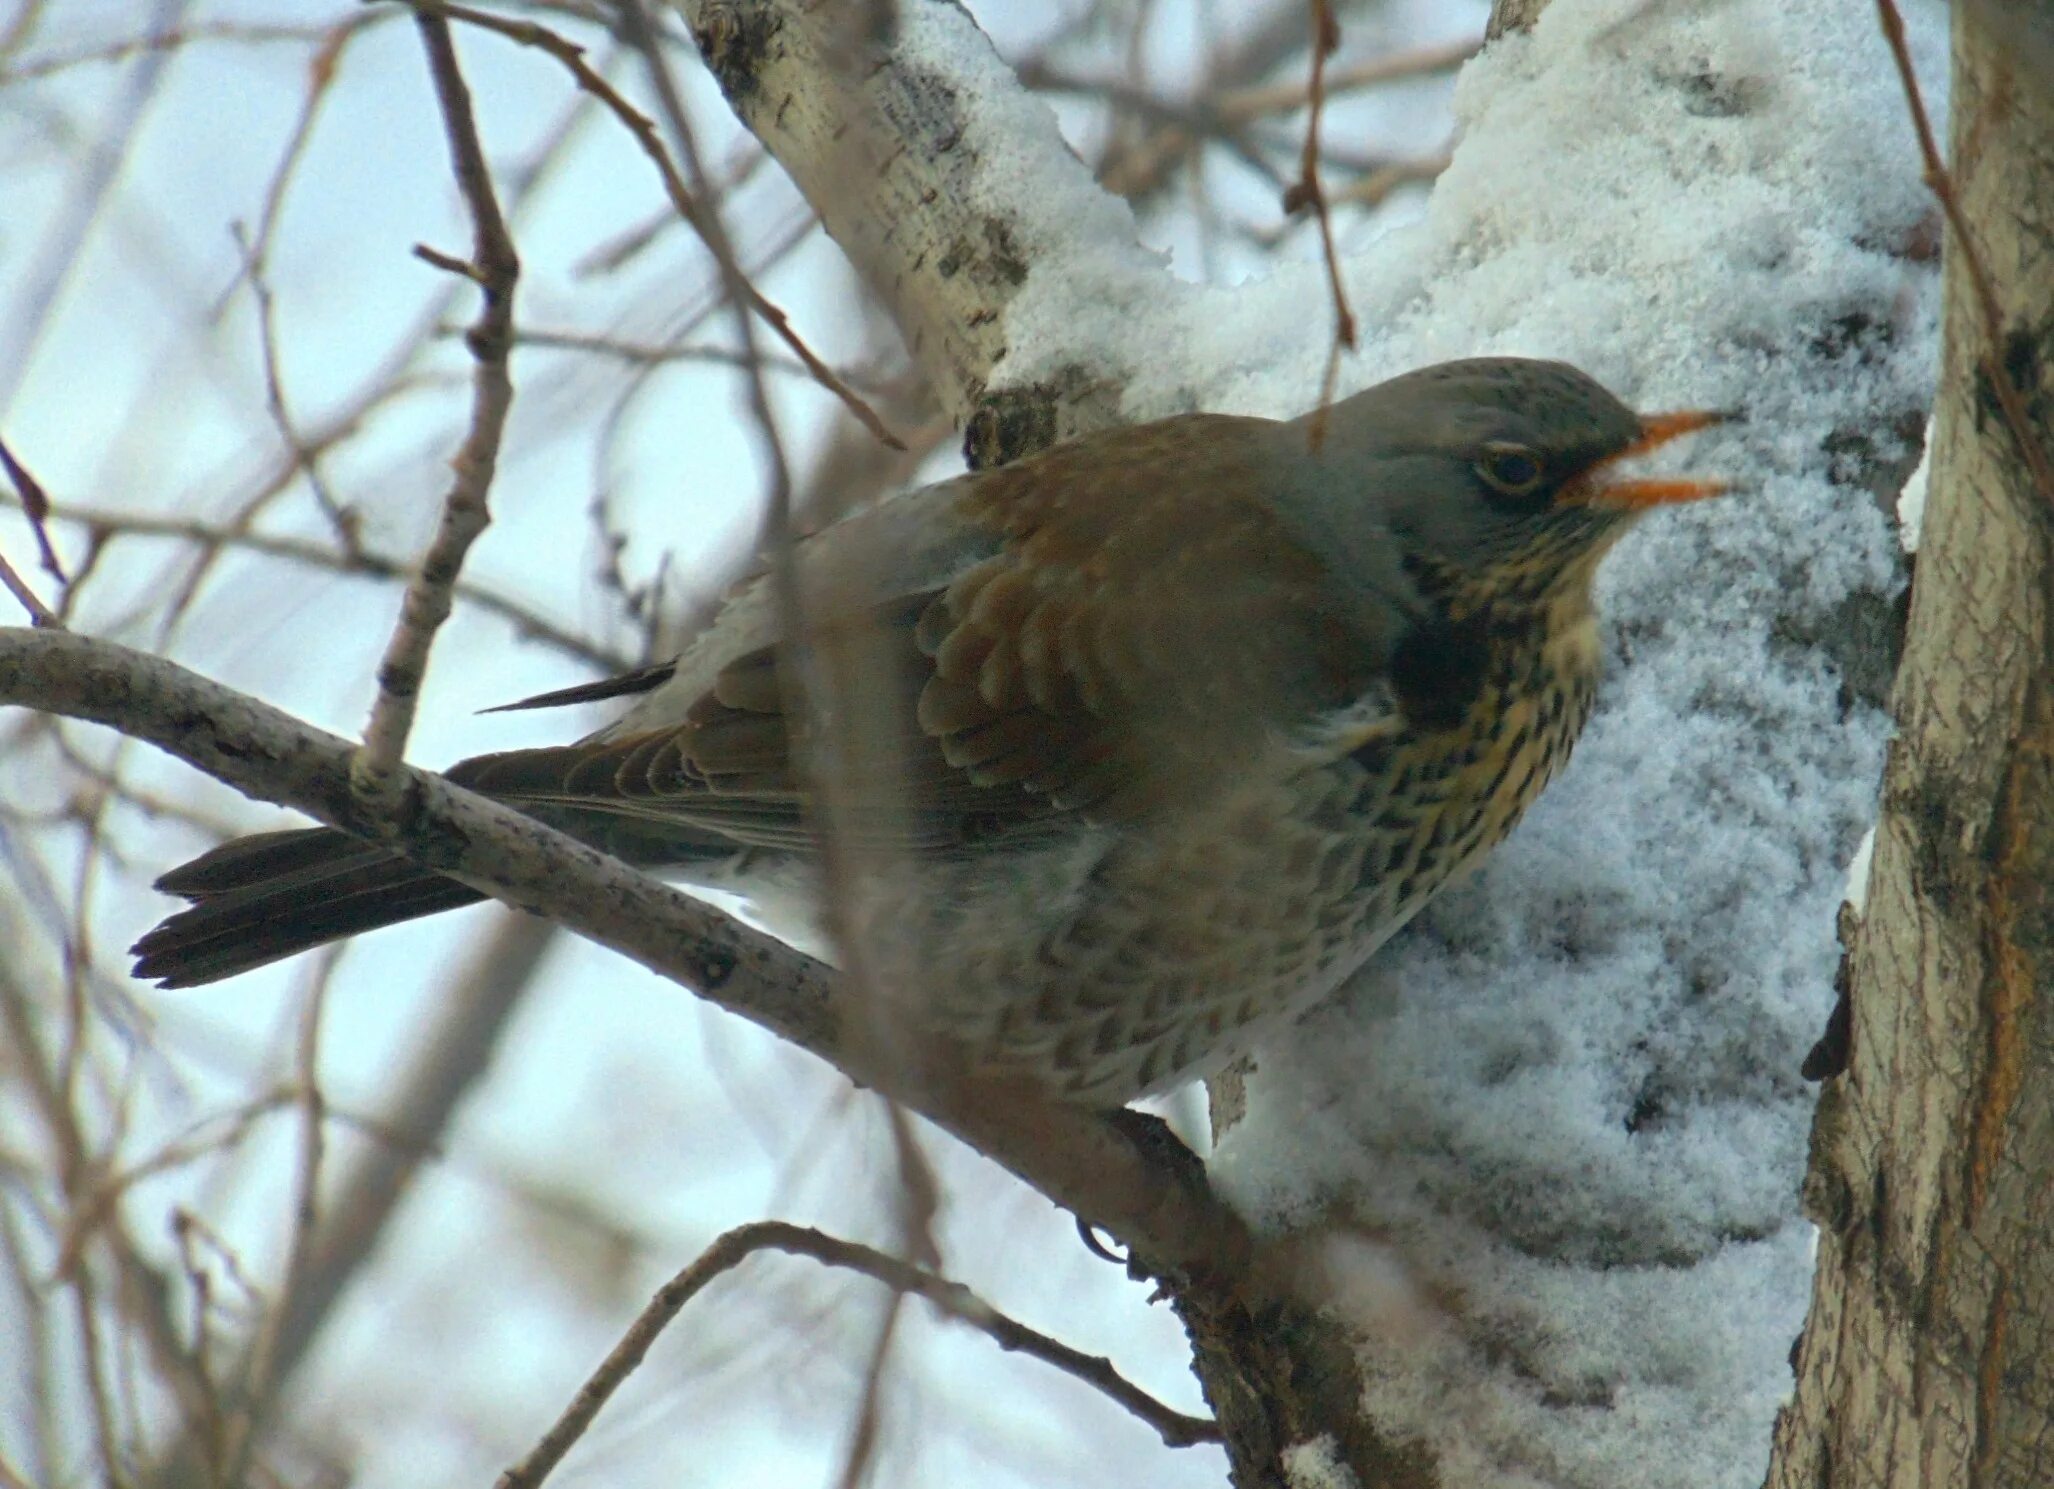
[[950, 190]]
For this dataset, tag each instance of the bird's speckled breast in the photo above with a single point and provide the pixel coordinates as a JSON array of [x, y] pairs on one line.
[[1174, 950], [1429, 803]]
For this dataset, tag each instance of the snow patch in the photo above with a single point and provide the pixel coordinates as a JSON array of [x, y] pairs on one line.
[[1317, 1465], [1569, 1096], [1911, 502]]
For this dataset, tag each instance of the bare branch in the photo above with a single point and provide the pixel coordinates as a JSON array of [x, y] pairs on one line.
[[951, 1298], [35, 505], [39, 613], [2005, 387], [181, 38], [887, 151], [364, 561], [1071, 1155], [259, 1368], [688, 205], [495, 267], [1305, 192], [1371, 72]]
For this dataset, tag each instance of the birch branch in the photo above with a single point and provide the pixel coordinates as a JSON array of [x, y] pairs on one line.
[[1071, 1155], [889, 148], [495, 267]]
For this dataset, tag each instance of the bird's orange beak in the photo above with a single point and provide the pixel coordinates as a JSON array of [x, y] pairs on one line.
[[1637, 494]]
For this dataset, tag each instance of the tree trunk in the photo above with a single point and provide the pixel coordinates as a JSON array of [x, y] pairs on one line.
[[1928, 1358]]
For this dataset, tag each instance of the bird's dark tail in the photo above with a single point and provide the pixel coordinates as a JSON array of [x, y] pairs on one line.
[[259, 899]]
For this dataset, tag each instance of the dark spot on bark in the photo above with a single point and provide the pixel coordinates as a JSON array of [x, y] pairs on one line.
[[1941, 843], [735, 43], [1003, 250], [1830, 1055], [996, 260], [1828, 1191], [715, 968], [1014, 422], [2026, 351]]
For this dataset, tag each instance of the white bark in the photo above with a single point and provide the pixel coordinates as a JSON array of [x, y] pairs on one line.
[[889, 142]]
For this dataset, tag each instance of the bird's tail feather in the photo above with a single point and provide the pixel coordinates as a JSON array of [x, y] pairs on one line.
[[262, 898]]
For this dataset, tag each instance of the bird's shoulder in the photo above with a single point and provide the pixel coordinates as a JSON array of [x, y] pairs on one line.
[[1118, 626], [1134, 530]]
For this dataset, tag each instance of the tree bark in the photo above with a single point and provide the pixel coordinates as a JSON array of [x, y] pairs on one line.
[[887, 148], [1928, 1357]]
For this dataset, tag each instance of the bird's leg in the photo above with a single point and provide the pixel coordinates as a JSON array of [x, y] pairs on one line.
[[1161, 1149]]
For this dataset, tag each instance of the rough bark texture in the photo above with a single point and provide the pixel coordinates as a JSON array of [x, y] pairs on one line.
[[1928, 1358], [887, 149], [1513, 15]]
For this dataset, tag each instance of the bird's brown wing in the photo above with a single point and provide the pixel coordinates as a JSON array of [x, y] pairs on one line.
[[1140, 627]]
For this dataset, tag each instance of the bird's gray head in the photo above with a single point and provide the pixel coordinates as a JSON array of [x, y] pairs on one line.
[[1479, 465]]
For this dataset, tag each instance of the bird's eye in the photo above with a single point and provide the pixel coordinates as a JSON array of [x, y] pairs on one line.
[[1512, 469]]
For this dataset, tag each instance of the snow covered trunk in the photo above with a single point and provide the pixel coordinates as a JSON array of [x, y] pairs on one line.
[[1538, 1170], [1929, 1355], [1554, 1138]]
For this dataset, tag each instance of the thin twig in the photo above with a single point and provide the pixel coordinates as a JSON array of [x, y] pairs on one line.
[[643, 130], [60, 252], [260, 1379], [495, 267], [387, 386], [622, 247], [175, 39], [35, 505], [10, 1476], [953, 1299], [1145, 167], [106, 1431], [39, 613], [43, 1428], [1368, 191], [2009, 399], [141, 1290], [366, 562], [1371, 72], [648, 354], [306, 454], [1305, 192], [919, 1194], [474, 1009]]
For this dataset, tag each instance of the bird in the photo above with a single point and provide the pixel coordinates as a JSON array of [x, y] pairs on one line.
[[1172, 725]]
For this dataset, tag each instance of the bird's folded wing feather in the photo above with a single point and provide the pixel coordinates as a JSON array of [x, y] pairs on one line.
[[1121, 624]]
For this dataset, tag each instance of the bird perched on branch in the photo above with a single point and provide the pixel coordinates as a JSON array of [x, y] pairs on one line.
[[1125, 751]]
